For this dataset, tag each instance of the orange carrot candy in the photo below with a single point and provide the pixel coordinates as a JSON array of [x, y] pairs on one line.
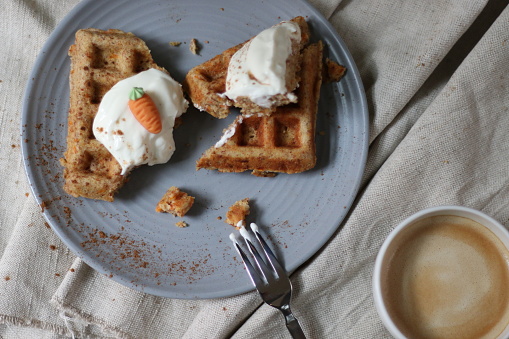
[[145, 110]]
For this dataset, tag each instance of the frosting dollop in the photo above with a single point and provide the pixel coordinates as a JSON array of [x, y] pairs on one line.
[[258, 69], [119, 131]]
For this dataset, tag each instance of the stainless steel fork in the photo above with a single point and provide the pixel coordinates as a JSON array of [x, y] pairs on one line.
[[269, 278]]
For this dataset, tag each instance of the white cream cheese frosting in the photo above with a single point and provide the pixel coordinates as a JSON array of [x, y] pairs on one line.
[[119, 131], [230, 131], [258, 69]]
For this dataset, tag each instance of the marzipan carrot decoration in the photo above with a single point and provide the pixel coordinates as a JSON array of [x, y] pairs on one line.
[[145, 110]]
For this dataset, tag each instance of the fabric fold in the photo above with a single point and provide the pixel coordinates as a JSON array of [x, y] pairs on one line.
[[398, 45], [109, 308], [447, 158], [438, 136]]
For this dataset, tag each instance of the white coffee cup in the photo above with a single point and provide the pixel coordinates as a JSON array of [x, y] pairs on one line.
[[444, 271]]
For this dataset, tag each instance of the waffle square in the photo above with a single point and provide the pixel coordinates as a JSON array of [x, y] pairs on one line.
[[99, 59], [283, 142]]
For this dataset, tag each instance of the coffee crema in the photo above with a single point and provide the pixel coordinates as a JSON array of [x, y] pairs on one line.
[[447, 277]]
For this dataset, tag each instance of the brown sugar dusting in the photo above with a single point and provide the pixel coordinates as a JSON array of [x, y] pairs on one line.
[[123, 247], [192, 270], [123, 253], [67, 212], [47, 203]]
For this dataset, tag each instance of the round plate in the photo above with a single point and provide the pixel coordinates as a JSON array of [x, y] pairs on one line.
[[127, 240]]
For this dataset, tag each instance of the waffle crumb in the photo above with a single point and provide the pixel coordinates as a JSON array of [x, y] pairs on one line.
[[175, 202], [238, 212], [175, 43], [182, 224], [193, 46], [333, 71], [263, 174]]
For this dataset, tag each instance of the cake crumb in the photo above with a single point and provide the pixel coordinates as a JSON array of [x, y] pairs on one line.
[[264, 174], [181, 224], [193, 46], [237, 213], [333, 71], [175, 202], [175, 43]]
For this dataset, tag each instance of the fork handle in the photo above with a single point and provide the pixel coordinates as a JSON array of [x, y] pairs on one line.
[[293, 326]]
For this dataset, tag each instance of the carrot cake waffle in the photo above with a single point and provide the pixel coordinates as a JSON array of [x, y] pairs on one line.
[[99, 59], [282, 142], [208, 83]]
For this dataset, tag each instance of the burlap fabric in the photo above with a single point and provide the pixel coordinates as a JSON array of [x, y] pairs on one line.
[[436, 76]]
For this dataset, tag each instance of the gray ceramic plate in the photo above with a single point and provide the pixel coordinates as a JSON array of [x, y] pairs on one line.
[[129, 242]]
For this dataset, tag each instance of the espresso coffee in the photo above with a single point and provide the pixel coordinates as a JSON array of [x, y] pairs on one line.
[[447, 277]]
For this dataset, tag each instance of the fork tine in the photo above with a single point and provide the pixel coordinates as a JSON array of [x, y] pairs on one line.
[[255, 279], [281, 273], [261, 264]]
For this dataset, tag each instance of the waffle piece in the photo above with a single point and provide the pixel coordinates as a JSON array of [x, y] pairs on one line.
[[175, 202], [206, 81], [283, 142], [333, 72], [99, 59], [237, 213]]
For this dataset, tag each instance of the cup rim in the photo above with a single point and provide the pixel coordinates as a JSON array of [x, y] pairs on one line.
[[380, 306]]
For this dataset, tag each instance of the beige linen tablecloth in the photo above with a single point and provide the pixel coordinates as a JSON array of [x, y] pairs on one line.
[[436, 74]]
